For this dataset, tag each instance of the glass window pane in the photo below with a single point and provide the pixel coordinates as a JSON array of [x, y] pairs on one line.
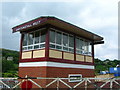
[[36, 46], [71, 50], [43, 34], [90, 47], [25, 40], [81, 44], [52, 36], [86, 46], [24, 48], [58, 38], [37, 35], [65, 48], [77, 43], [65, 40], [52, 46], [30, 47], [77, 51], [30, 38], [81, 52], [42, 45], [59, 47], [71, 41]]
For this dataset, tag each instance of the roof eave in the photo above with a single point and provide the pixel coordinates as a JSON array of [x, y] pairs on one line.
[[58, 23]]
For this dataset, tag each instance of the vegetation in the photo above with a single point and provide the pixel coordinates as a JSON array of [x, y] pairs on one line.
[[10, 53], [104, 65], [10, 60], [10, 65]]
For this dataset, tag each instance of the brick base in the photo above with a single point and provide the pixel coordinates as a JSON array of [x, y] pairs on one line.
[[52, 72]]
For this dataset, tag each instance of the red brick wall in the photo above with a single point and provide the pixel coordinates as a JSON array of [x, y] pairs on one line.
[[52, 72], [63, 72], [34, 72]]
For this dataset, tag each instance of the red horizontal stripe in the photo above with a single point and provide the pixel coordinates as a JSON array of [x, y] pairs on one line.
[[55, 60]]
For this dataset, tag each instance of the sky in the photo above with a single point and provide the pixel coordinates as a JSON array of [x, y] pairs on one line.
[[97, 16]]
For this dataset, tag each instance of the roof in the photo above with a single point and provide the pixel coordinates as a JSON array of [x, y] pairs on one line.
[[57, 23]]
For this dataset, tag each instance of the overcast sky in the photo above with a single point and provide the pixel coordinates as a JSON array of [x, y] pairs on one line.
[[97, 16]]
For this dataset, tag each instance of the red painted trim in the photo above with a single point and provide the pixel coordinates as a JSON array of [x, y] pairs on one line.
[[56, 60], [93, 52], [33, 59], [32, 55], [29, 23], [20, 54], [62, 54], [74, 48], [21, 40], [84, 58], [34, 29], [70, 61], [92, 45], [47, 44], [34, 50]]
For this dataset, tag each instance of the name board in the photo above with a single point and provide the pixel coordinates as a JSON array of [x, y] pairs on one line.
[[75, 77], [29, 24]]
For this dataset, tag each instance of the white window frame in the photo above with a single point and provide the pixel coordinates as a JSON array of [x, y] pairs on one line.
[[76, 80], [33, 41], [52, 29], [84, 52]]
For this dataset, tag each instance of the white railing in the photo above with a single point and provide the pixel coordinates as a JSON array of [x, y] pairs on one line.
[[4, 82]]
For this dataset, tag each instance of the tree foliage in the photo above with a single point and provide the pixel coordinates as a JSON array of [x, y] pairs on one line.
[[105, 65], [8, 53], [9, 67]]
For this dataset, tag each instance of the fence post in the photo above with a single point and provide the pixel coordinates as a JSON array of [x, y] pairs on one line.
[[57, 83], [85, 83], [111, 83]]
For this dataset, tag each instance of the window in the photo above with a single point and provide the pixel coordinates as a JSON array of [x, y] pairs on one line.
[[58, 38], [79, 46], [65, 42], [30, 38], [52, 39], [36, 46], [52, 36], [87, 48], [25, 40], [71, 43], [37, 37], [42, 42], [42, 36], [83, 46], [61, 41], [77, 43], [34, 40], [75, 77]]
